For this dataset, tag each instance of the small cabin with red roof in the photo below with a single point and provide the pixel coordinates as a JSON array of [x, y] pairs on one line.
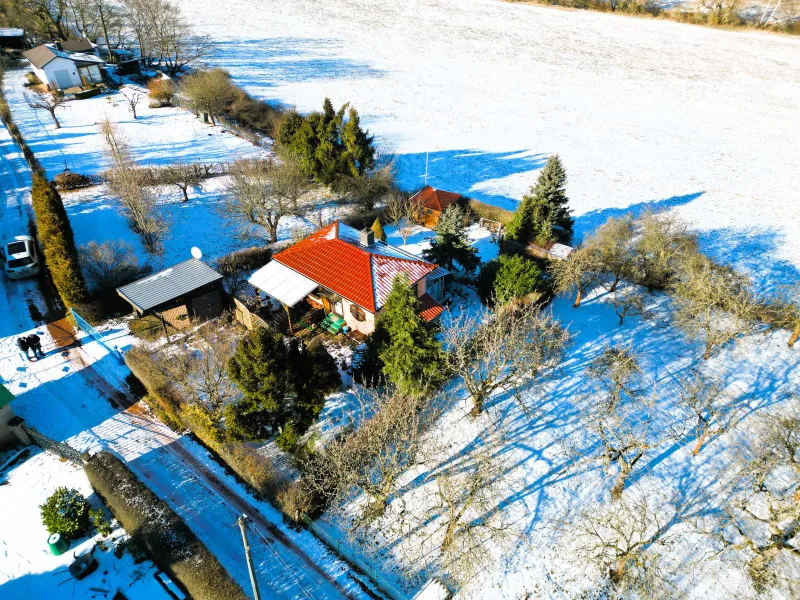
[[432, 203], [349, 274]]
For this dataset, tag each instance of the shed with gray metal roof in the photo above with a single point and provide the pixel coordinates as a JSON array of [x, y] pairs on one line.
[[179, 284]]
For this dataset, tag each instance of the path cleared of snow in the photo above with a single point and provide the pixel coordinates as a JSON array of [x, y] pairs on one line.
[[645, 113]]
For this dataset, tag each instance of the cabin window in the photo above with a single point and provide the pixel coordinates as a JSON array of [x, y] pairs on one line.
[[357, 312]]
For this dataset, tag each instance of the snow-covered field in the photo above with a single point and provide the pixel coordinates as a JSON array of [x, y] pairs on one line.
[[28, 570], [645, 113]]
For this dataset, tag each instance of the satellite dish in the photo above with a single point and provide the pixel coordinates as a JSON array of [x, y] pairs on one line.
[[197, 253]]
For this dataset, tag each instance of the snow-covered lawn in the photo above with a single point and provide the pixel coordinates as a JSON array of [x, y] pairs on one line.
[[28, 570], [158, 136], [645, 113]]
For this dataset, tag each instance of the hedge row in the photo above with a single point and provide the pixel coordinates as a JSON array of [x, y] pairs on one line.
[[244, 461], [58, 244], [172, 545]]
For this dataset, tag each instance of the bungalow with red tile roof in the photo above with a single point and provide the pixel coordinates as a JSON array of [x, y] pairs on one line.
[[349, 274], [433, 203]]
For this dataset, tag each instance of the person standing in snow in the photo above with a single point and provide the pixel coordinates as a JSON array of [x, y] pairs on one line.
[[35, 344], [23, 345]]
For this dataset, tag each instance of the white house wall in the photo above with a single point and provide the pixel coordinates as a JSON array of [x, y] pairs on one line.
[[61, 64]]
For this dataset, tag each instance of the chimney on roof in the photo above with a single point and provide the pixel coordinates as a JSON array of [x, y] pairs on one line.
[[367, 237]]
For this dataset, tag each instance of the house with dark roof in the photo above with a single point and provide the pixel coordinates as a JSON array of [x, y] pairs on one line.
[[61, 69], [432, 204], [349, 274]]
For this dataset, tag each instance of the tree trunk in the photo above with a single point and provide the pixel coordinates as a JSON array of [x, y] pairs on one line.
[[795, 336], [619, 486], [707, 353], [578, 298], [273, 233], [700, 441], [55, 119], [477, 405], [614, 285], [185, 190]]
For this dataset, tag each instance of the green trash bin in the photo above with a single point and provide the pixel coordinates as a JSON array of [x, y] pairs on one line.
[[58, 544]]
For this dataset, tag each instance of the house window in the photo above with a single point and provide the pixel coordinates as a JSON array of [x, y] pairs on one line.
[[357, 312]]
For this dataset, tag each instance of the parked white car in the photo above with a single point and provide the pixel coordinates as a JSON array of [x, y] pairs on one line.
[[20, 258]]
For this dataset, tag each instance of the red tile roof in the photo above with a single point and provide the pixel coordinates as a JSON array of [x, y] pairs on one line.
[[435, 199], [334, 258], [429, 308]]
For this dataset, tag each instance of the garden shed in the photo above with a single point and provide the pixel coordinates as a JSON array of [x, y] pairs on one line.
[[184, 293]]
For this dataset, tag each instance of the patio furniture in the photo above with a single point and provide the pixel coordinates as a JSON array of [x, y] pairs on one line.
[[335, 324]]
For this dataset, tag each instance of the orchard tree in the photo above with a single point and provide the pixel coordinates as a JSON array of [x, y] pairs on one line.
[[578, 272], [413, 360], [612, 244], [49, 102], [451, 244], [209, 92], [662, 241], [502, 350]]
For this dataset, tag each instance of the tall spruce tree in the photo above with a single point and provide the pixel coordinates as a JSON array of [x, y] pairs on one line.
[[413, 361], [543, 215], [451, 243]]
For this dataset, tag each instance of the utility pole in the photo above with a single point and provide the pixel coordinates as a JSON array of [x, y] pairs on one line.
[[250, 568], [426, 168]]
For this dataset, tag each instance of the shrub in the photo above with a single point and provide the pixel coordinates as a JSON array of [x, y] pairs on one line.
[[100, 522], [66, 512], [235, 266], [287, 439], [516, 277], [296, 500], [32, 79], [363, 219], [173, 546], [69, 180], [253, 468], [486, 278], [254, 114], [110, 265], [55, 235], [161, 92], [377, 229]]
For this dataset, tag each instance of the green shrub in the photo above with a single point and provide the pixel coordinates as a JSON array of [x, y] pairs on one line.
[[169, 541], [516, 277], [66, 511], [377, 229], [287, 439], [90, 93], [100, 522], [55, 235]]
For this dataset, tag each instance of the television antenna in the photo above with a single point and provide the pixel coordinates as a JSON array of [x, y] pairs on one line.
[[426, 168], [197, 253]]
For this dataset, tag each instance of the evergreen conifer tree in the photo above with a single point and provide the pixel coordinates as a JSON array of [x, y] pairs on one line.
[[377, 229], [451, 243], [261, 369], [359, 153], [413, 361], [543, 215], [516, 277], [58, 244]]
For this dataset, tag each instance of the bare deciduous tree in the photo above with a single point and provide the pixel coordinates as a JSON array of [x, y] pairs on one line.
[[139, 200], [183, 176], [612, 246], [208, 92], [662, 241], [403, 213], [713, 301], [624, 419], [262, 192], [132, 98], [48, 102], [783, 311], [578, 272], [630, 303], [513, 344], [709, 410], [762, 519], [109, 265], [628, 542]]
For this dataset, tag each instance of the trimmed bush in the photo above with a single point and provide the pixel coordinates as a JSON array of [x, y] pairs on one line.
[[69, 180], [32, 79], [169, 541], [66, 512], [90, 93], [161, 92], [55, 235]]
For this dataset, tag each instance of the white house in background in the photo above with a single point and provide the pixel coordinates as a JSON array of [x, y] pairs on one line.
[[61, 69]]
